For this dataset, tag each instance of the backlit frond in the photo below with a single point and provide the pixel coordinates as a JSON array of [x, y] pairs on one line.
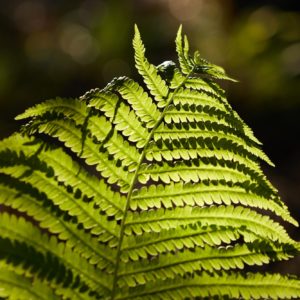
[[141, 191]]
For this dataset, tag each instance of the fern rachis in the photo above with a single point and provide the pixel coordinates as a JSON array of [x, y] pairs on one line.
[[134, 192]]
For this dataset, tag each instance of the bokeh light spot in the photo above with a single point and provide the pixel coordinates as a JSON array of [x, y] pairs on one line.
[[77, 41], [290, 58], [267, 20], [185, 10]]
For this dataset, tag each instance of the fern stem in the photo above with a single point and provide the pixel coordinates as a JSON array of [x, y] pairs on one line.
[[133, 182]]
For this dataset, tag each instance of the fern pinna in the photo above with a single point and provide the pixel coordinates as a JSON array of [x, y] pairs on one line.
[[141, 193]]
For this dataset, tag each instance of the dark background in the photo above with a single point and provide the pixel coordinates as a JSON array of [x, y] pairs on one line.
[[64, 48]]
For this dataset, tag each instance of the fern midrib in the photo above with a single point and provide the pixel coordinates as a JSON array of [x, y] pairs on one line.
[[202, 132], [56, 108], [133, 182], [208, 256], [192, 192], [201, 98], [223, 191], [153, 83], [207, 153], [186, 285], [239, 219], [178, 236], [200, 168]]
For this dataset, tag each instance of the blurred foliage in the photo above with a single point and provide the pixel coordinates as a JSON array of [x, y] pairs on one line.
[[51, 47], [66, 47], [264, 51], [54, 47]]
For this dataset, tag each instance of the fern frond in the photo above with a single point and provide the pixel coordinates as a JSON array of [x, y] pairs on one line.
[[66, 171], [78, 112], [206, 169], [157, 87], [133, 191], [67, 133], [202, 66], [201, 194], [208, 153], [74, 294], [155, 221], [114, 143], [70, 108], [208, 258], [83, 211], [16, 287], [139, 100], [49, 219], [208, 88], [182, 48], [153, 244], [172, 134], [224, 285], [185, 97], [204, 85], [119, 114], [197, 64], [27, 240], [192, 171], [181, 116], [192, 149]]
